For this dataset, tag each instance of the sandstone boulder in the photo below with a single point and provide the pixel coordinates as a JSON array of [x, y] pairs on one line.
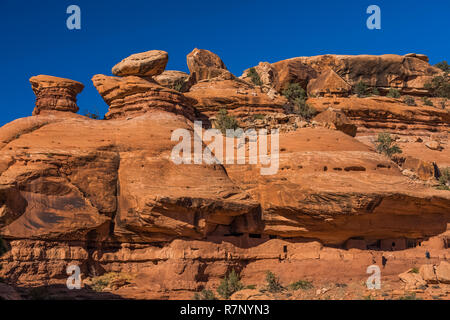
[[176, 80], [145, 64], [132, 96], [443, 272], [204, 65], [418, 56], [427, 273], [412, 280], [423, 169], [433, 145], [336, 119], [55, 94]]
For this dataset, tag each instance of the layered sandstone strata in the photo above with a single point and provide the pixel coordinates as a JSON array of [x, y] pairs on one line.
[[55, 94], [132, 95]]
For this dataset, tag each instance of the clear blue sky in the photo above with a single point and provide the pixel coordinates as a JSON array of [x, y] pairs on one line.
[[35, 39]]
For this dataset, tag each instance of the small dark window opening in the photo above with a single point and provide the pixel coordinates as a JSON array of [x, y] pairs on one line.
[[285, 249], [272, 236], [233, 235], [255, 235], [393, 244]]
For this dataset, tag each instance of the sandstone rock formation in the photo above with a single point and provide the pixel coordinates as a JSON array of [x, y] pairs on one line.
[[55, 94], [176, 80], [328, 84], [111, 200], [238, 97], [131, 96], [204, 65], [406, 73], [145, 64], [336, 119]]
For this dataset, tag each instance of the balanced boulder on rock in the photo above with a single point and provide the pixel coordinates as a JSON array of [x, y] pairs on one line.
[[145, 64]]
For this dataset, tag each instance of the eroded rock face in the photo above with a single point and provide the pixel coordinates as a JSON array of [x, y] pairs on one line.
[[176, 80], [132, 96], [329, 84], [238, 97], [406, 73], [55, 94], [204, 65], [145, 64]]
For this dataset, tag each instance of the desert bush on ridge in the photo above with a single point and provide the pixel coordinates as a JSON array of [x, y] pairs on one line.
[[297, 97], [229, 285], [386, 145]]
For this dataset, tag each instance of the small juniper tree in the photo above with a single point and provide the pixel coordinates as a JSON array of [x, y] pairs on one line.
[[409, 101], [229, 285], [427, 101], [444, 179], [225, 121], [273, 283], [297, 97], [439, 86], [386, 145], [444, 66], [254, 76]]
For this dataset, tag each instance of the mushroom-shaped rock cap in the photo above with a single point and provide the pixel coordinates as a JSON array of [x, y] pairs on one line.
[[43, 82], [145, 64], [55, 94]]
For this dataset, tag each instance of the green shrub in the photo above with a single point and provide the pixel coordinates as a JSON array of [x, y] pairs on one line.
[[375, 91], [427, 101], [409, 101], [101, 282], [301, 284], [224, 121], [444, 179], [229, 285], [178, 85], [386, 145], [294, 92], [393, 93], [297, 97], [443, 66], [251, 286], [273, 283], [361, 89], [205, 295], [414, 270], [411, 296], [254, 77], [93, 115], [439, 86]]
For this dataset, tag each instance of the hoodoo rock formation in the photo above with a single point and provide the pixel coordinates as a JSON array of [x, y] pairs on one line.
[[57, 94], [111, 200]]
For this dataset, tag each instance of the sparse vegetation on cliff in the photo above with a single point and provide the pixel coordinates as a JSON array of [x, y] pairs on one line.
[[301, 284], [178, 85], [409, 101], [444, 66], [229, 285], [254, 76], [297, 97], [93, 115], [205, 295], [444, 179], [427, 101], [439, 86], [386, 145], [361, 90], [273, 283], [225, 121], [393, 93]]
